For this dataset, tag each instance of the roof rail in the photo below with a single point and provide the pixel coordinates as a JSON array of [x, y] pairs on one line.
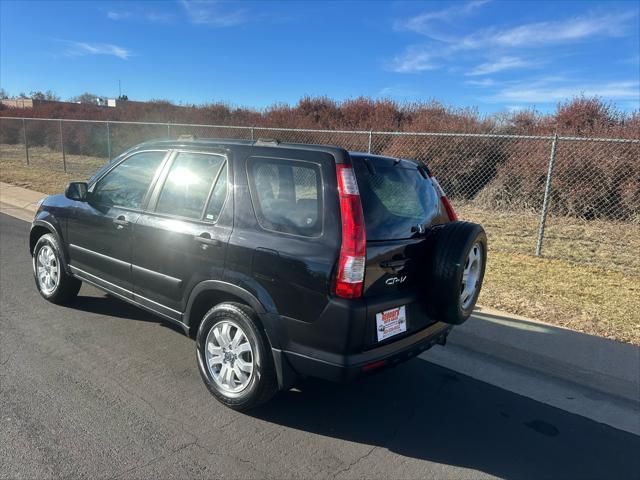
[[267, 141]]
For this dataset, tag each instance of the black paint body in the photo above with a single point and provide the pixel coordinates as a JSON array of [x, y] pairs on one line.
[[157, 262]]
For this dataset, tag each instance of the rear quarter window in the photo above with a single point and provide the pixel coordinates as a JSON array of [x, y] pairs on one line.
[[287, 195]]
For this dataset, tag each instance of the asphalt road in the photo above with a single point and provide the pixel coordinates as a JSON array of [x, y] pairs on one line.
[[102, 389]]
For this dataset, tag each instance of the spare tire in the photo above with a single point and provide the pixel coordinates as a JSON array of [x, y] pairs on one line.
[[458, 254]]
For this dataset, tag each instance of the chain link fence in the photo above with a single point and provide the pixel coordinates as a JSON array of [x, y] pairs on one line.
[[572, 198]]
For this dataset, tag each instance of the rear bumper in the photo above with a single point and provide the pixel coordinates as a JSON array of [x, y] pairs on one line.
[[345, 368]]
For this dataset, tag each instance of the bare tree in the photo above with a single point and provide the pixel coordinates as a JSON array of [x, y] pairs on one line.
[[48, 95], [86, 97]]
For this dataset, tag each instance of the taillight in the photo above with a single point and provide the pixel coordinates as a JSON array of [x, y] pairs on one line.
[[451, 213], [353, 250]]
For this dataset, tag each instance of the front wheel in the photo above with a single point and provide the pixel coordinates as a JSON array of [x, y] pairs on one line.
[[53, 283], [234, 357]]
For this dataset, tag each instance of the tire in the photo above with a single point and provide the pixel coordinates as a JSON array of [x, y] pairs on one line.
[[457, 247], [61, 288], [231, 388]]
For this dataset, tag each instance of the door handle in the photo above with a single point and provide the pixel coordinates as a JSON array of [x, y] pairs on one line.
[[394, 265], [120, 222], [206, 240]]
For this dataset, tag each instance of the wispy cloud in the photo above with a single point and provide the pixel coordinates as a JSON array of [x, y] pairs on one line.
[[484, 82], [503, 63], [113, 15], [213, 13], [414, 60], [83, 48], [421, 23], [548, 91], [397, 91], [547, 33], [442, 48], [145, 16]]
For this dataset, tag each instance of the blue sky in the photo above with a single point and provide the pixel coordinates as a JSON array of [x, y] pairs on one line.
[[494, 55]]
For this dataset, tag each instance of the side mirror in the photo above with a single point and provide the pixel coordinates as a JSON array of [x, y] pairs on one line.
[[77, 191]]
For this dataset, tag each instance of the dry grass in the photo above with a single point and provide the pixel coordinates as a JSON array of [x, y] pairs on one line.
[[588, 280], [592, 283], [608, 245], [581, 297], [45, 172]]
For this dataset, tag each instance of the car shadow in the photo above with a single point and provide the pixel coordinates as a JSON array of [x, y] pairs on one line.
[[114, 307], [423, 411]]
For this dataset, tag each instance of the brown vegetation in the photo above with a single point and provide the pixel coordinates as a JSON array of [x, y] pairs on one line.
[[581, 116], [591, 283], [591, 180]]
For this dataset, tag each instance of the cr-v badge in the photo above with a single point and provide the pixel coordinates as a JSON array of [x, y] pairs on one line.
[[395, 280]]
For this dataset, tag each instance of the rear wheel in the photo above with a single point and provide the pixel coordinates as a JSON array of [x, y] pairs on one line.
[[53, 283], [457, 271], [234, 357]]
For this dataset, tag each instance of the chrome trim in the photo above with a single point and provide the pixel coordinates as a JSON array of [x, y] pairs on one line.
[[132, 266], [136, 295], [82, 272], [84, 275], [101, 255], [163, 276]]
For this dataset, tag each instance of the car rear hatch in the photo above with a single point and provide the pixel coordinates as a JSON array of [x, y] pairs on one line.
[[400, 203]]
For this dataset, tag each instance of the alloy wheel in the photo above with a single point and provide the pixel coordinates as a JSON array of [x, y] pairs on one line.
[[229, 356], [47, 270], [471, 276]]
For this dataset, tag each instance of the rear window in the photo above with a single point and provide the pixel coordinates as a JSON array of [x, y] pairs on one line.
[[395, 198]]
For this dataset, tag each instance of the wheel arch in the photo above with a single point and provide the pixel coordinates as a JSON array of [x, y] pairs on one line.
[[213, 292], [41, 227]]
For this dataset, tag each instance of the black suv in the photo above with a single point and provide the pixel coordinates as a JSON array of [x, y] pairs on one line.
[[282, 260]]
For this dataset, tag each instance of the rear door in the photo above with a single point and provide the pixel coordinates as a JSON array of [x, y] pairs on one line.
[[182, 239], [285, 235], [399, 203]]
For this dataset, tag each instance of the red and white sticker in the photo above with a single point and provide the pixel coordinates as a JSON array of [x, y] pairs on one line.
[[391, 322]]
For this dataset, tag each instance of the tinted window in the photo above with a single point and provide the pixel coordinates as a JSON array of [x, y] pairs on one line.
[[395, 198], [287, 196], [218, 196], [127, 184], [188, 183]]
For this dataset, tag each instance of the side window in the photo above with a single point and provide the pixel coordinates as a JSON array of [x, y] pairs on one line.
[[188, 184], [127, 184], [287, 195], [218, 196]]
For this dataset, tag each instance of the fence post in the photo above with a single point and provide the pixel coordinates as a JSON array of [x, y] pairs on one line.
[[26, 145], [252, 134], [370, 139], [64, 157], [547, 195], [108, 142], [168, 130]]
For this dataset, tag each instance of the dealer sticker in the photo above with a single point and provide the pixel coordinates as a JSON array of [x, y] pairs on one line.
[[391, 322]]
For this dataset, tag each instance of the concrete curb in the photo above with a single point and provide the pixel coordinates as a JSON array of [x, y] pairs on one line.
[[19, 197], [595, 363]]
